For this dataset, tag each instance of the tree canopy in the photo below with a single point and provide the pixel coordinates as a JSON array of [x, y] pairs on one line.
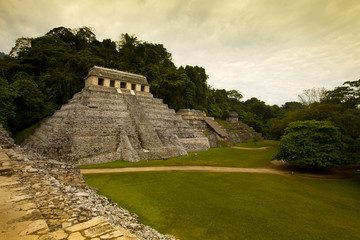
[[312, 143], [42, 73]]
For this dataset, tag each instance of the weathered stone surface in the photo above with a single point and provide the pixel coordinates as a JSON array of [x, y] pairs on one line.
[[76, 236], [233, 117], [66, 224], [5, 171], [5, 140], [216, 127], [32, 214], [195, 144], [111, 235], [34, 227], [233, 132], [85, 225], [29, 237], [21, 198], [27, 206], [59, 234], [98, 230], [4, 157]]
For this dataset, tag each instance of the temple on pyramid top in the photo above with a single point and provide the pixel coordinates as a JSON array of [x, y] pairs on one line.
[[118, 79]]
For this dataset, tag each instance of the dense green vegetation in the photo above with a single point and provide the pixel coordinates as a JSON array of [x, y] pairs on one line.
[[223, 157], [340, 106], [41, 74], [312, 143], [237, 206]]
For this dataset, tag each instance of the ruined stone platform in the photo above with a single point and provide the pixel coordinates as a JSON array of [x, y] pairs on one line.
[[102, 124], [231, 133]]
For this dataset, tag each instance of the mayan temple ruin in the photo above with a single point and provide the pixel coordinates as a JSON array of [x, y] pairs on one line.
[[115, 117], [231, 132]]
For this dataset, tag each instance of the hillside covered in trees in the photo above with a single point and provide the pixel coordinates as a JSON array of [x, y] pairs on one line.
[[40, 74]]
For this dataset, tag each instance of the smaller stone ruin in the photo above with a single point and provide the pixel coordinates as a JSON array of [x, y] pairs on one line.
[[233, 117], [229, 132]]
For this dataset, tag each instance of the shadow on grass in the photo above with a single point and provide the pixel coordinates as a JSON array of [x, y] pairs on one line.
[[351, 172]]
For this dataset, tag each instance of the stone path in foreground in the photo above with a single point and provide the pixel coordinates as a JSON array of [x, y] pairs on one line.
[[43, 199], [42, 213]]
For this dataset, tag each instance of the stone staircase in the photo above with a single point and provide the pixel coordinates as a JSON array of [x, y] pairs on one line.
[[168, 124], [216, 127], [88, 125], [195, 118], [148, 136]]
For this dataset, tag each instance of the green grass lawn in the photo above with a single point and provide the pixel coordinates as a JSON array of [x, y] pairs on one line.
[[251, 144], [237, 205], [226, 157]]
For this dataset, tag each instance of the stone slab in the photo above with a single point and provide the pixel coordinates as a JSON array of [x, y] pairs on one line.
[[29, 237], [9, 183], [216, 127], [98, 230], [59, 234], [27, 206], [85, 225], [112, 235], [20, 198], [3, 156], [33, 227], [32, 214], [76, 236], [6, 163], [5, 171]]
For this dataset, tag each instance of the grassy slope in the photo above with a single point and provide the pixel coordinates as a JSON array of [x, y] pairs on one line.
[[237, 206], [251, 144], [19, 137], [228, 157]]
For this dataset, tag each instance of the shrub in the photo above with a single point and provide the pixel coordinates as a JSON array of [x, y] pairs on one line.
[[312, 143]]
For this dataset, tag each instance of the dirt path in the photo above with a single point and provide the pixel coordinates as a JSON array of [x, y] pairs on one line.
[[185, 169], [255, 149], [213, 169]]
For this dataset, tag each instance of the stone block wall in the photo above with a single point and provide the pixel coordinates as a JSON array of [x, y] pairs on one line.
[[195, 118]]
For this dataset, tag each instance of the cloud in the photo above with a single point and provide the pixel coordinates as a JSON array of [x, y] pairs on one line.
[[270, 49]]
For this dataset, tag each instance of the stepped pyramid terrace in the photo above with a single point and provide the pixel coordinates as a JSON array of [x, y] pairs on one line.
[[115, 117]]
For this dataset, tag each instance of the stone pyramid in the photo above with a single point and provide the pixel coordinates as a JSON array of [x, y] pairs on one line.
[[115, 117]]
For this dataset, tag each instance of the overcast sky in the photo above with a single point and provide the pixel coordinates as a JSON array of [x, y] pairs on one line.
[[269, 49]]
